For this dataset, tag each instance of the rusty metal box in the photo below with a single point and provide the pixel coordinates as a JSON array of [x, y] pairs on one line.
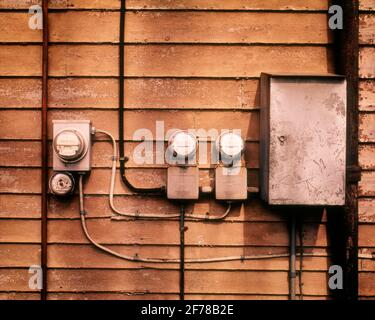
[[183, 183], [303, 139], [231, 183]]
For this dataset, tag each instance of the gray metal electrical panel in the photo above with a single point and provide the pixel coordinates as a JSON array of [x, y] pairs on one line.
[[303, 139]]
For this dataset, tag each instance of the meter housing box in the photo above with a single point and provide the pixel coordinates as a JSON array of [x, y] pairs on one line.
[[71, 145], [183, 183], [303, 139], [231, 183]]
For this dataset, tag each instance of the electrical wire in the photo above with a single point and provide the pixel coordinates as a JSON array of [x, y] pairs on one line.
[[292, 257], [182, 251], [300, 273], [150, 260], [147, 216], [136, 258], [123, 159]]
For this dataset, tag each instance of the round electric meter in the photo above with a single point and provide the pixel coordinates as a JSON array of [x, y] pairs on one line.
[[70, 145], [230, 145], [61, 184], [183, 144]]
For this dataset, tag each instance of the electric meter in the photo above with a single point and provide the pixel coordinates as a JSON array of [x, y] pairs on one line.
[[182, 177], [70, 145], [230, 145], [230, 174], [61, 184], [183, 144]]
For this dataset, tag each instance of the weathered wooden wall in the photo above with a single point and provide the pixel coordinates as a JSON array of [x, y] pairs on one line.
[[193, 64], [367, 146]]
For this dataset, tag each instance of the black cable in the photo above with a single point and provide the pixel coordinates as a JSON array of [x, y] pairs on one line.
[[121, 81], [124, 159], [182, 252], [300, 274], [292, 258]]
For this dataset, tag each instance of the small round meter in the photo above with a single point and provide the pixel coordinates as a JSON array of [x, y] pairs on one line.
[[230, 145], [70, 145], [183, 144], [61, 184]]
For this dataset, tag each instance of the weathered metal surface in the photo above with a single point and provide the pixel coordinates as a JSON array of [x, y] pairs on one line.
[[231, 183], [304, 134], [183, 183]]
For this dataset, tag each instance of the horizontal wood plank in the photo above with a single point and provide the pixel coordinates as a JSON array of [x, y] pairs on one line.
[[365, 233], [367, 127], [12, 180], [366, 210], [196, 281], [183, 5], [20, 153], [367, 62], [20, 124], [367, 95], [367, 29], [19, 255], [367, 264], [159, 93], [200, 297], [25, 124], [20, 93], [112, 296], [366, 283], [252, 210], [20, 180], [166, 60], [27, 231], [367, 156], [28, 154], [164, 27], [233, 282], [14, 296], [367, 5], [367, 184], [20, 206], [143, 232], [68, 256], [28, 206], [147, 120], [146, 281]]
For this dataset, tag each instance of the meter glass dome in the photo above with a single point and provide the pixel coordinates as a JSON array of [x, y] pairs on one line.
[[231, 144], [183, 144], [70, 145]]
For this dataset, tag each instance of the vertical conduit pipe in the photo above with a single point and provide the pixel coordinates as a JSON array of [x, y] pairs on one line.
[[292, 258], [347, 48], [121, 86], [44, 178], [182, 252], [123, 159]]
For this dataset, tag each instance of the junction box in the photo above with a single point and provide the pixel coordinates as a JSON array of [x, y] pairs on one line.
[[303, 139]]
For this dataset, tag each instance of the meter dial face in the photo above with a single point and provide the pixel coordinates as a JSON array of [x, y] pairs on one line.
[[183, 144], [231, 144], [70, 145]]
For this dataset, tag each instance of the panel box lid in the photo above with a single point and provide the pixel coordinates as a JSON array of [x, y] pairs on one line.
[[303, 139]]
